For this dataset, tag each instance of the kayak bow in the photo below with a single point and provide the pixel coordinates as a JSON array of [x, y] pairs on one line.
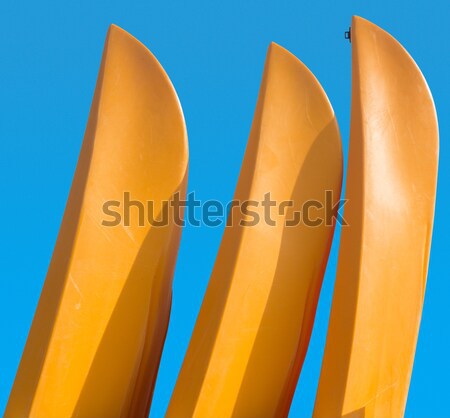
[[255, 322], [96, 339], [383, 257]]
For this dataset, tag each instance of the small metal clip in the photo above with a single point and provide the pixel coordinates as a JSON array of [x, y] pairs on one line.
[[348, 34]]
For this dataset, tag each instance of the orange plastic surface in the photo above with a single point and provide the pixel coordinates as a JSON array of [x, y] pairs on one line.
[[96, 339], [255, 322], [383, 257]]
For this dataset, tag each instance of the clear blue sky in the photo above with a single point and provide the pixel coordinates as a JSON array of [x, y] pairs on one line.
[[214, 53]]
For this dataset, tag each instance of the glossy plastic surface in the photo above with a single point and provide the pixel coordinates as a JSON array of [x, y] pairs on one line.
[[383, 257], [96, 339], [254, 326]]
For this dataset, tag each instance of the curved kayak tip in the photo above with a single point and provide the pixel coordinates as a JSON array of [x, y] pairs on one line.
[[118, 35], [364, 32], [361, 26], [278, 53]]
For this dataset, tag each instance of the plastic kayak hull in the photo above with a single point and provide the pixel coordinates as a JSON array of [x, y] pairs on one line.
[[383, 256], [255, 322], [96, 339]]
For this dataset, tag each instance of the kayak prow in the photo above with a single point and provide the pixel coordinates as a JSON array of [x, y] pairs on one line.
[[253, 329], [383, 256], [97, 335]]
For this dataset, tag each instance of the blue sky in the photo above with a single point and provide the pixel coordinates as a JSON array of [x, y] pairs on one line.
[[214, 53]]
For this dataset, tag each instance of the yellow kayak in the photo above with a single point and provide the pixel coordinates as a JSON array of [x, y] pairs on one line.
[[96, 339], [255, 322], [383, 257]]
